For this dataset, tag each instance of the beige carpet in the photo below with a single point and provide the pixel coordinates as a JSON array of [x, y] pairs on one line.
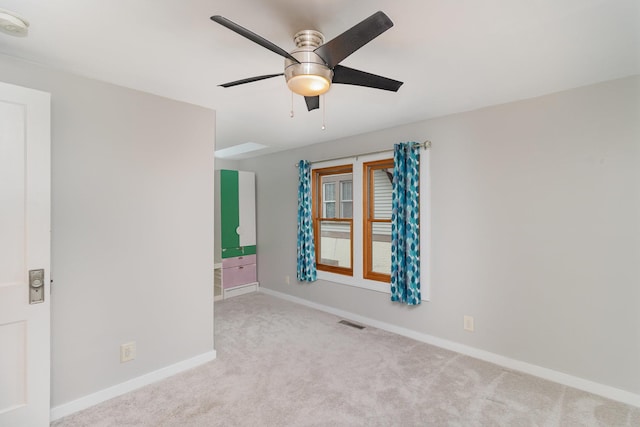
[[282, 364]]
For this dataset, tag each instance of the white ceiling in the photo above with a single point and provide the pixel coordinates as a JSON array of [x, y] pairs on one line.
[[452, 55]]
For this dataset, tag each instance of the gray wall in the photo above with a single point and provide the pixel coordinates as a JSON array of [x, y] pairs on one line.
[[132, 238], [226, 164], [535, 230]]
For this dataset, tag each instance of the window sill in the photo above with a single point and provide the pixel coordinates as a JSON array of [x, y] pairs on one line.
[[370, 285]]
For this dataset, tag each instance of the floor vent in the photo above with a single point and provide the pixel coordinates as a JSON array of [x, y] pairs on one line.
[[353, 325]]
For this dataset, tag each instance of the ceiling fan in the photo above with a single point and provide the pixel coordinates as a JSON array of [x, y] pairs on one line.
[[313, 65]]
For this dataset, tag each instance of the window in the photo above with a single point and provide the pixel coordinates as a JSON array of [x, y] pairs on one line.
[[352, 220], [337, 194], [333, 222], [346, 199], [333, 218], [378, 179]]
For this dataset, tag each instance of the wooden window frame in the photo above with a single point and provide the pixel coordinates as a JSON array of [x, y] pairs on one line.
[[317, 206], [368, 218]]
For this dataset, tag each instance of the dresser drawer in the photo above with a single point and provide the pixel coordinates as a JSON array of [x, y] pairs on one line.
[[238, 261], [240, 275], [238, 251]]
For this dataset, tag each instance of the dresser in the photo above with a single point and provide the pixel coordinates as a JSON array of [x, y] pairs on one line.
[[235, 271]]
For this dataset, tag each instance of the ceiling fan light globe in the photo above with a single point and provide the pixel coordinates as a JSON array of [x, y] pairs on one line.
[[309, 84]]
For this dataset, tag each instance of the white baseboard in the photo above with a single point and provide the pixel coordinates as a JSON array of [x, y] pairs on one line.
[[130, 385], [517, 365]]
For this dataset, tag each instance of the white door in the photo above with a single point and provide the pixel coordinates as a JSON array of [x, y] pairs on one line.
[[24, 245]]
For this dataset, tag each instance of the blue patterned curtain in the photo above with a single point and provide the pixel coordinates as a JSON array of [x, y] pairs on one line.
[[306, 248], [405, 224]]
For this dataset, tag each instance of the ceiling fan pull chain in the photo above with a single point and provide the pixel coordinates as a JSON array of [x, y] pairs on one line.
[[324, 106], [291, 115]]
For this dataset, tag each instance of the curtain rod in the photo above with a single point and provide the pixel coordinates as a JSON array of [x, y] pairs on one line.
[[426, 145]]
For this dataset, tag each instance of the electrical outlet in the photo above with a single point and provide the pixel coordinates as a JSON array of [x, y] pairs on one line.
[[286, 280], [127, 351], [468, 323]]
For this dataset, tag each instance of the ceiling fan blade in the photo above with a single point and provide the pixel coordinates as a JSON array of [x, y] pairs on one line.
[[252, 36], [250, 79], [350, 76], [337, 49], [313, 102]]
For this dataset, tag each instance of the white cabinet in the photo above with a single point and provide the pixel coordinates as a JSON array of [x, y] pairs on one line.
[[235, 232]]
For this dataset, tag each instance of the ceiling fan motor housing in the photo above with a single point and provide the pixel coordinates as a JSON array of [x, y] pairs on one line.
[[311, 77]]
